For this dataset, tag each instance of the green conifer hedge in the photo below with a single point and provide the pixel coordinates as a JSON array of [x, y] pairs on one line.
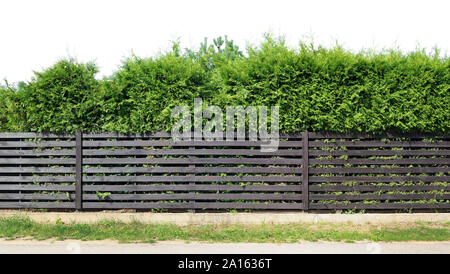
[[317, 89]]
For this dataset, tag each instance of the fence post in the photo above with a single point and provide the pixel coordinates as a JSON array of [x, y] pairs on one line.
[[191, 184], [305, 170], [79, 171]]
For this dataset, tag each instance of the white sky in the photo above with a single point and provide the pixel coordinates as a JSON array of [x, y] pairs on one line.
[[34, 34]]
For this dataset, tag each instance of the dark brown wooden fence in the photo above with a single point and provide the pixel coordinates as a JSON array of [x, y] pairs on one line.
[[308, 171]]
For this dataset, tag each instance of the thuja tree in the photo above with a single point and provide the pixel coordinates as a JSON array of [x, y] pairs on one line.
[[63, 98], [12, 116], [316, 88], [141, 95], [321, 89]]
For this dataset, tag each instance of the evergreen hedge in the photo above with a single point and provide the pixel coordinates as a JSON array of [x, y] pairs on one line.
[[317, 89]]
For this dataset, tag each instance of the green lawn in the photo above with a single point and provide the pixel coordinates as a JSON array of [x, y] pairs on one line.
[[22, 227]]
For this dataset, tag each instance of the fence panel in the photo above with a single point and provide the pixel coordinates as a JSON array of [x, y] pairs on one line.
[[314, 171], [37, 170], [153, 171], [359, 171]]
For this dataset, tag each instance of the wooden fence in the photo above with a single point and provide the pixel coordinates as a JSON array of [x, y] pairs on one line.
[[308, 171]]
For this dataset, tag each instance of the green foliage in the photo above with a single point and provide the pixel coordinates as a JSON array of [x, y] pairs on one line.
[[22, 227], [11, 116], [321, 89], [141, 96], [103, 195], [4, 97], [63, 98], [317, 89]]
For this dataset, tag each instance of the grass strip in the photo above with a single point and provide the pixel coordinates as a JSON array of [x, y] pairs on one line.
[[23, 227]]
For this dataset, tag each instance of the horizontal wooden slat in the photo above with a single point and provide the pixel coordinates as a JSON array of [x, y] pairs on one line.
[[197, 205], [47, 152], [403, 161], [192, 160], [247, 152], [419, 152], [148, 197], [30, 187], [66, 205], [171, 143], [369, 144], [191, 196], [161, 179], [386, 170], [29, 135], [317, 135], [162, 135], [181, 161], [318, 179], [121, 135], [34, 196], [37, 170], [46, 144], [312, 135], [342, 197], [30, 179], [378, 188], [197, 170], [37, 161], [381, 206], [198, 187]]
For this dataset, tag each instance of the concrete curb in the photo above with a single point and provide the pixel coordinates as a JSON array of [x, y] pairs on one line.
[[229, 218]]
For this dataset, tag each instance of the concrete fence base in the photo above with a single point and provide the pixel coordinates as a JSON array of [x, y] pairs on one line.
[[228, 218]]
